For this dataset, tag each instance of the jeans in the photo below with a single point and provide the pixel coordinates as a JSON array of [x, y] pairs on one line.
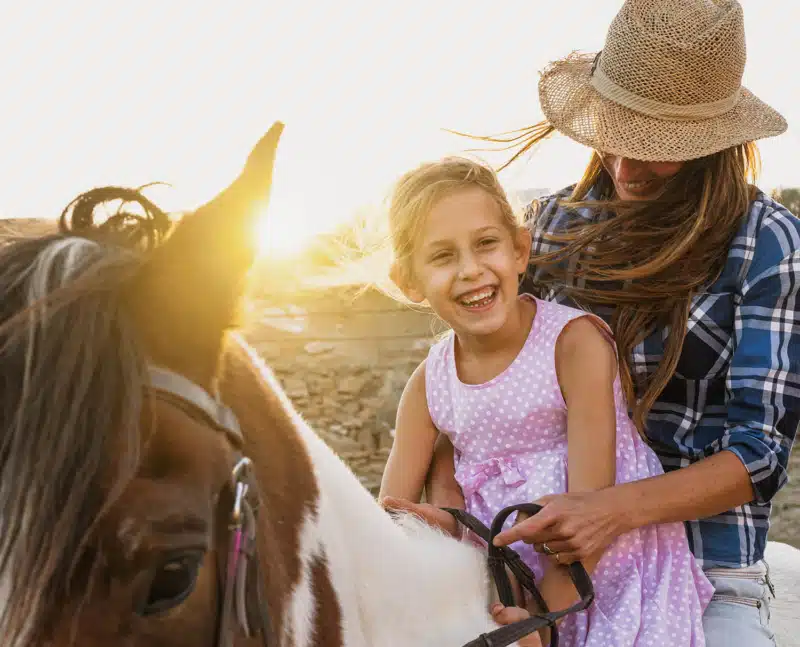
[[738, 614]]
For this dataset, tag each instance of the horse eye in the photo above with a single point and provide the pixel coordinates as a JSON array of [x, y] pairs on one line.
[[172, 583]]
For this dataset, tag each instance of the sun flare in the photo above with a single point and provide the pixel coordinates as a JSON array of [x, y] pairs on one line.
[[282, 227], [276, 239]]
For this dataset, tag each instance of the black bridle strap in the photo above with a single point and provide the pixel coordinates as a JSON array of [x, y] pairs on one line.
[[497, 563], [501, 556]]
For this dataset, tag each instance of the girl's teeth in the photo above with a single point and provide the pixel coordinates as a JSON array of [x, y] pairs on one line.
[[478, 299]]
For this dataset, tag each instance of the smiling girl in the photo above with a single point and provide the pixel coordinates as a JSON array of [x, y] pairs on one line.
[[528, 393]]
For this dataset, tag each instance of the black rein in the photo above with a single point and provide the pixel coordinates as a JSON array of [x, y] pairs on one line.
[[501, 557]]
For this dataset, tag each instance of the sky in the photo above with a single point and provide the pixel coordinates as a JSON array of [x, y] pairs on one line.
[[127, 93]]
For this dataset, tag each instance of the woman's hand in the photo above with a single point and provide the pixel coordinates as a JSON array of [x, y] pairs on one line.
[[574, 525], [430, 514]]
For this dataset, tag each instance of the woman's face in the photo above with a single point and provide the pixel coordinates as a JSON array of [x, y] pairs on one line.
[[636, 180]]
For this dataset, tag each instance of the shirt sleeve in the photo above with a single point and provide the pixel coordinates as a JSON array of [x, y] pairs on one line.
[[763, 380], [543, 217]]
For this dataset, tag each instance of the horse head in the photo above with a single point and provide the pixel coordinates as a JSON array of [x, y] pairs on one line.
[[123, 472]]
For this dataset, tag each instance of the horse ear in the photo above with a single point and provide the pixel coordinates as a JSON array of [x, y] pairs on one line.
[[186, 293]]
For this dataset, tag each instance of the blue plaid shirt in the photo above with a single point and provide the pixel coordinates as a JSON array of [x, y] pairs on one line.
[[737, 385]]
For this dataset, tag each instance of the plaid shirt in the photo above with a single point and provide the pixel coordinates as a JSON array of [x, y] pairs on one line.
[[737, 385]]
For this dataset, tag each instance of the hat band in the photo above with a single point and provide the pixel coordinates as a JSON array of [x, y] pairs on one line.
[[695, 112]]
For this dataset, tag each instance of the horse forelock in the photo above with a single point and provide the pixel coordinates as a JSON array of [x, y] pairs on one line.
[[71, 378]]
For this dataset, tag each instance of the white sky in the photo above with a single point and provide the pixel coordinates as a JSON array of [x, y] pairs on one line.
[[111, 92]]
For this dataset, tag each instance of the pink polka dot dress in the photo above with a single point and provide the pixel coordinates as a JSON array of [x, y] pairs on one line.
[[510, 439]]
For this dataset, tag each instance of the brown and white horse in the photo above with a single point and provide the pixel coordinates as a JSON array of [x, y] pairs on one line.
[[129, 513]]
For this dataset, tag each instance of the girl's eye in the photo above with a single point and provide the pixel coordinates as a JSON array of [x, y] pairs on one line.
[[485, 242], [438, 258]]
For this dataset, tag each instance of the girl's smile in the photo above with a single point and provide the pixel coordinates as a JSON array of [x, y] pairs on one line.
[[478, 300], [467, 264]]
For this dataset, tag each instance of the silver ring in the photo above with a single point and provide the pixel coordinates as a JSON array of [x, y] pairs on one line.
[[547, 550]]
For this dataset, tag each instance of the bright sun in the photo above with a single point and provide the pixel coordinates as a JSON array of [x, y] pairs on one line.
[[278, 238], [283, 227]]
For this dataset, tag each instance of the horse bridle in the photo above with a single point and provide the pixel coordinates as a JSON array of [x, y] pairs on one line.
[[501, 557], [241, 603]]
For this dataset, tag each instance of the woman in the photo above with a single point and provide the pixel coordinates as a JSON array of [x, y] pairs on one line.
[[698, 274]]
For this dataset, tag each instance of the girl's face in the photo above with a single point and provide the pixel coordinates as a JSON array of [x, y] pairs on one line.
[[636, 180], [467, 261]]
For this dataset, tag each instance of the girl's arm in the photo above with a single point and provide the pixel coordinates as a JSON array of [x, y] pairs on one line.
[[586, 365], [410, 460], [441, 475], [412, 449], [441, 488]]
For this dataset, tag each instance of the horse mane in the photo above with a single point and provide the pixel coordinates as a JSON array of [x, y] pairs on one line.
[[71, 373]]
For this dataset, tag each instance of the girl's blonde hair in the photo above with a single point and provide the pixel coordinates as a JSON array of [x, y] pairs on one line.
[[418, 191]]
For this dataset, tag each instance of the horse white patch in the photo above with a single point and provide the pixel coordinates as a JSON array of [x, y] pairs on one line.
[[397, 584], [299, 632]]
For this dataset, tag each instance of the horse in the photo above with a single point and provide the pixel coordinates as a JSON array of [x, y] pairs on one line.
[[158, 488]]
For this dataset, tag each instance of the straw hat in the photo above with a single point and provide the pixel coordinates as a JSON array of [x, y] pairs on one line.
[[666, 86]]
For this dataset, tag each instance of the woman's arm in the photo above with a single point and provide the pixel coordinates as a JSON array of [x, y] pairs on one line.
[[711, 486], [412, 449], [579, 524]]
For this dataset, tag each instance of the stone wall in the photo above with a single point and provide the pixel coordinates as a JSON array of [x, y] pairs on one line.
[[344, 361], [785, 517], [351, 404], [344, 358]]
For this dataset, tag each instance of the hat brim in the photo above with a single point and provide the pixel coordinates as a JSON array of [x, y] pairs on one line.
[[574, 107]]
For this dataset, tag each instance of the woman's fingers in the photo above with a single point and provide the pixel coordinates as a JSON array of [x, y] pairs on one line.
[[532, 530], [558, 553], [575, 525], [521, 516], [565, 558], [554, 546]]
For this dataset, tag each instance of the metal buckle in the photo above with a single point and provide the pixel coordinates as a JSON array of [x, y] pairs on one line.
[[240, 480], [229, 610]]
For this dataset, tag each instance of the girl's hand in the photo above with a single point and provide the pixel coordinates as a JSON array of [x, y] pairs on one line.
[[430, 514], [575, 525], [509, 615]]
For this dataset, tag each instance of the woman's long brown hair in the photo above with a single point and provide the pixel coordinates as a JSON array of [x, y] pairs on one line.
[[650, 258]]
